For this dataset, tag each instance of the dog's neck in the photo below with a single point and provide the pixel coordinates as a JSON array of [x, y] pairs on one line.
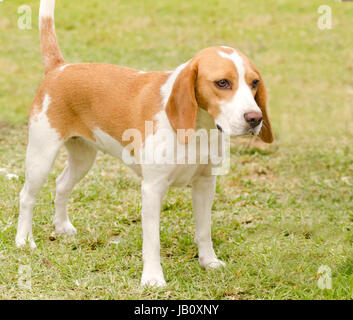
[[204, 120]]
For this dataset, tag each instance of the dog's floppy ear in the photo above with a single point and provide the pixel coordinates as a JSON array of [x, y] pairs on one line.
[[266, 133], [182, 106]]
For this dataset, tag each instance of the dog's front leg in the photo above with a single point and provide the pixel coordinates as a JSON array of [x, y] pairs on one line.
[[203, 190], [152, 195]]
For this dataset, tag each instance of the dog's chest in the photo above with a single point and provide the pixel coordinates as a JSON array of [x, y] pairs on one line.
[[165, 158]]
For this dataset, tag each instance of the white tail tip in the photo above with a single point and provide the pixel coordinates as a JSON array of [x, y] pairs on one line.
[[47, 8]]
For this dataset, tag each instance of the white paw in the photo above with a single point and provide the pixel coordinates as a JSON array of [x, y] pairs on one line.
[[211, 263], [65, 228], [22, 241], [153, 280]]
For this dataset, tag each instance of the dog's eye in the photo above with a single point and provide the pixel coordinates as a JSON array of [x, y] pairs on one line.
[[223, 84], [255, 84]]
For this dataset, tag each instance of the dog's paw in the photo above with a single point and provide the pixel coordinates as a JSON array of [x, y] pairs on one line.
[[211, 263], [22, 241], [65, 228], [153, 280]]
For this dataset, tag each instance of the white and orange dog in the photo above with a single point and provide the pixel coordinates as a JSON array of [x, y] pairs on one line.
[[88, 107]]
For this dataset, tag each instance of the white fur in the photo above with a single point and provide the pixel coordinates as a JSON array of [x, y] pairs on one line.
[[62, 68], [80, 159], [231, 118], [202, 199], [46, 8], [43, 145], [167, 88], [107, 144]]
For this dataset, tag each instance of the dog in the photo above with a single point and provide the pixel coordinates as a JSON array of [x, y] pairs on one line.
[[90, 106]]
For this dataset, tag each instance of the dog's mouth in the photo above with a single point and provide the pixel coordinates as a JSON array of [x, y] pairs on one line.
[[219, 128], [254, 131], [251, 132]]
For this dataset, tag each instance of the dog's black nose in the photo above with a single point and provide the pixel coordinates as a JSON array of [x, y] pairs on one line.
[[253, 118]]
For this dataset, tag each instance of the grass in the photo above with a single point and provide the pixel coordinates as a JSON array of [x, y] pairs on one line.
[[282, 212]]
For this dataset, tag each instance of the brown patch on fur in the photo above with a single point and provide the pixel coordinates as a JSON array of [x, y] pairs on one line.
[[212, 67], [266, 133], [51, 53], [91, 95], [181, 107]]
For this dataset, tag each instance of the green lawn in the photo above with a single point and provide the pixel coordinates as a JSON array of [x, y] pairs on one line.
[[283, 211]]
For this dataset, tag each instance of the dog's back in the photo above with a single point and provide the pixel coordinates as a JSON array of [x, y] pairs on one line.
[[86, 96]]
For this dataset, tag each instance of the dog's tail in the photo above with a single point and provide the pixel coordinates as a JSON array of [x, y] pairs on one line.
[[51, 54]]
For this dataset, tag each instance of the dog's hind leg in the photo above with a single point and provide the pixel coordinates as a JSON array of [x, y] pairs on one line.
[[81, 157], [43, 145]]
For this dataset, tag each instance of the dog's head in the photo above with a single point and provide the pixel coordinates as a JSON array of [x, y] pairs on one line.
[[225, 83]]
